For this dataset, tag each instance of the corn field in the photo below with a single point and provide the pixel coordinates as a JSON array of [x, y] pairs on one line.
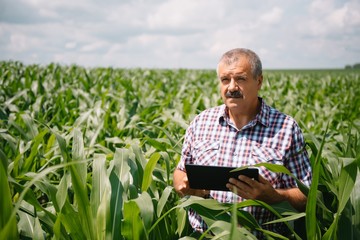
[[89, 153]]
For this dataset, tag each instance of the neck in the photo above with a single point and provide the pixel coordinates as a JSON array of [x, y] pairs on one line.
[[241, 117]]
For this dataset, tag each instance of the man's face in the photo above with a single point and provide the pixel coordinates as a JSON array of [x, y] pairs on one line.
[[238, 87]]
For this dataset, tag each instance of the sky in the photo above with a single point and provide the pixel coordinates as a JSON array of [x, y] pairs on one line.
[[192, 34]]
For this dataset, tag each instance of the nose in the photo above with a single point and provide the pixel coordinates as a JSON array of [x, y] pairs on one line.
[[232, 85]]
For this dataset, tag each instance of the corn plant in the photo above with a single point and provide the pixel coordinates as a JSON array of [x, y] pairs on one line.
[[89, 153]]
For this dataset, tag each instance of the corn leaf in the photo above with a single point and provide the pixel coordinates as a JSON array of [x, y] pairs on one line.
[[62, 193], [122, 169], [8, 225], [181, 220], [116, 205], [79, 155], [346, 184], [29, 161], [100, 182], [312, 227], [149, 168], [132, 225], [146, 207], [163, 200]]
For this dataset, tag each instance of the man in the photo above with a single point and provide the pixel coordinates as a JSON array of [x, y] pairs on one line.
[[245, 131]]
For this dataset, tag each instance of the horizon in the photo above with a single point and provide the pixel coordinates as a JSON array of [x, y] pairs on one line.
[[181, 68]]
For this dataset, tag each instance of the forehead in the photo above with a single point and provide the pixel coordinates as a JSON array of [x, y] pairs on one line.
[[240, 65]]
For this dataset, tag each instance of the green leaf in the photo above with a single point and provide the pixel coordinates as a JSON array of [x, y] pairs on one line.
[[32, 127], [225, 230], [346, 184], [246, 219], [289, 218], [122, 169], [234, 234], [38, 232], [248, 203], [149, 168], [71, 220], [146, 207], [80, 192], [79, 155], [100, 198], [62, 145], [116, 205], [347, 180], [310, 220], [346, 228], [163, 200], [132, 225], [80, 189], [8, 225], [103, 216], [282, 169], [283, 207], [181, 220], [29, 161], [100, 181], [140, 163], [206, 203], [355, 203], [62, 193]]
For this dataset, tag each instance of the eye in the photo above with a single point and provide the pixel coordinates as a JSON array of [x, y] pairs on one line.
[[225, 80], [240, 78]]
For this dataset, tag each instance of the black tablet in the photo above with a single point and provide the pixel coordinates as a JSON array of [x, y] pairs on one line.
[[215, 177]]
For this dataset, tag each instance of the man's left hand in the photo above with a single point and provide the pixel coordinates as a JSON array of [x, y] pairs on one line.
[[249, 188], [262, 190]]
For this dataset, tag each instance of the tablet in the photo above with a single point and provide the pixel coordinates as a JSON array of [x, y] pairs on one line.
[[215, 177]]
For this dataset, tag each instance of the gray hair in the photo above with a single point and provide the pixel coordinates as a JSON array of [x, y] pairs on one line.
[[234, 55]]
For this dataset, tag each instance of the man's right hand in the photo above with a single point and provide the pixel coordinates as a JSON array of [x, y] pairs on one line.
[[181, 185]]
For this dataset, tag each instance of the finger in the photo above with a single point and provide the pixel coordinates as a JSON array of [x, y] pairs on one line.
[[249, 181], [233, 188], [237, 183], [262, 179], [242, 186], [238, 190]]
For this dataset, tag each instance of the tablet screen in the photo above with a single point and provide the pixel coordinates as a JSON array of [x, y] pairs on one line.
[[215, 177]]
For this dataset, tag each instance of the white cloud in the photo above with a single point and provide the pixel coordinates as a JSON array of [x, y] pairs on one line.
[[189, 15], [175, 33], [70, 45], [57, 4], [91, 47], [48, 13], [274, 16], [132, 14], [320, 7], [328, 19], [19, 43]]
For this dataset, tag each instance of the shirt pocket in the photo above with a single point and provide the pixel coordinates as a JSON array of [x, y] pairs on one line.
[[261, 154], [206, 152], [265, 154]]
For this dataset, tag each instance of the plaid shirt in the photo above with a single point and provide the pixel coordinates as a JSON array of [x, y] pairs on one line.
[[272, 137]]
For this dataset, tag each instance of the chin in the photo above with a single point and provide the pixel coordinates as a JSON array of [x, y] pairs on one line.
[[234, 100], [233, 103]]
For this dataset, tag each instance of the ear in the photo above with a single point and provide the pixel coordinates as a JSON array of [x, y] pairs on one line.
[[260, 81]]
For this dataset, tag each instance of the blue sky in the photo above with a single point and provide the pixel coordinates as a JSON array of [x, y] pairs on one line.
[[180, 33]]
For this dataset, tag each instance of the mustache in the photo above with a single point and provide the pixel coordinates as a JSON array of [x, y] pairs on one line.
[[235, 94]]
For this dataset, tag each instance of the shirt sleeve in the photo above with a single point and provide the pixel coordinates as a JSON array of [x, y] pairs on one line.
[[186, 156], [297, 160]]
